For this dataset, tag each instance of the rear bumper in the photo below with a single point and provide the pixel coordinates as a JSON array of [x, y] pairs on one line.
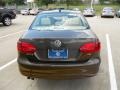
[[24, 12], [33, 13], [109, 15], [59, 71], [88, 14]]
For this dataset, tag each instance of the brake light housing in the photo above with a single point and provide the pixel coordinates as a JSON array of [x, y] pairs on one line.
[[26, 48], [91, 47]]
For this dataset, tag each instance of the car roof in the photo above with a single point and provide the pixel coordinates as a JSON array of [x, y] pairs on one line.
[[59, 11]]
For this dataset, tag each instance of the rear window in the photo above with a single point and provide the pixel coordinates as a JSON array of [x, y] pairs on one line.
[[108, 9], [59, 22]]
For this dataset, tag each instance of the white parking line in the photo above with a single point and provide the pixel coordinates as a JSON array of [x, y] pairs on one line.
[[8, 64], [112, 75], [10, 34]]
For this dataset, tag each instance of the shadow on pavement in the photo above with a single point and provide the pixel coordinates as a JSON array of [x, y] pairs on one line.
[[75, 84]]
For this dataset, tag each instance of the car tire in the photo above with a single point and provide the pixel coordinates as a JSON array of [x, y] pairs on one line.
[[7, 21]]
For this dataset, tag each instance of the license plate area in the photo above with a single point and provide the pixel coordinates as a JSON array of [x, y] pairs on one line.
[[58, 54]]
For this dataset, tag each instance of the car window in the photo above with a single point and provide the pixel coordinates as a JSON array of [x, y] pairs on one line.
[[59, 22], [108, 9]]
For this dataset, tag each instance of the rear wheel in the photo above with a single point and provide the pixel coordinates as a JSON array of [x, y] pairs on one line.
[[7, 21]]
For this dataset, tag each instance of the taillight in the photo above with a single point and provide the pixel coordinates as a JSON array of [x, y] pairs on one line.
[[90, 47], [26, 48]]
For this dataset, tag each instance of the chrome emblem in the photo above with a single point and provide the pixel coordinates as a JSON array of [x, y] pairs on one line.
[[57, 43]]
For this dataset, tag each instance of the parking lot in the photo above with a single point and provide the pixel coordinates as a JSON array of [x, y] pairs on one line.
[[108, 78]]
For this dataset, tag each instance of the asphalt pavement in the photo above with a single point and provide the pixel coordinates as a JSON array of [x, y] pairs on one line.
[[108, 77]]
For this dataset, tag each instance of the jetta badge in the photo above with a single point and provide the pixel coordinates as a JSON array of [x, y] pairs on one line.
[[57, 43]]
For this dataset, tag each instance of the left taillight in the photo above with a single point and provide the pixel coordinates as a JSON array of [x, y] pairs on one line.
[[26, 48]]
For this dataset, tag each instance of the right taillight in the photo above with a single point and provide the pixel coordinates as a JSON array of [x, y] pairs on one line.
[[90, 47], [26, 48]]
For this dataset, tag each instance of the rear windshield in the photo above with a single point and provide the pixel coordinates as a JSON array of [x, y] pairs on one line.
[[59, 22], [107, 9]]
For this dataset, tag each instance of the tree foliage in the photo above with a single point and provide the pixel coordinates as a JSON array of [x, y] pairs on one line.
[[118, 1], [73, 2], [102, 1], [2, 3], [44, 2], [10, 2]]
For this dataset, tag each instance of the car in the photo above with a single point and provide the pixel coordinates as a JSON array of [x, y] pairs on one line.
[[89, 12], [6, 16], [40, 10], [59, 44], [118, 13], [108, 12], [25, 11], [34, 11], [76, 9]]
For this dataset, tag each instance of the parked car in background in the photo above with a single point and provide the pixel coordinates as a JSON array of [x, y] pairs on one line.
[[40, 10], [108, 12], [34, 11], [76, 9], [59, 45], [25, 11], [89, 12], [118, 13], [6, 16]]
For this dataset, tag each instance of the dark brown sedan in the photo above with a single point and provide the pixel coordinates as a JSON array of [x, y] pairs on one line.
[[59, 45]]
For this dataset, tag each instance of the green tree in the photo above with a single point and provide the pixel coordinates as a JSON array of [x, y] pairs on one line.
[[9, 1], [73, 2], [44, 2], [2, 3], [38, 2], [118, 1], [101, 1], [18, 2]]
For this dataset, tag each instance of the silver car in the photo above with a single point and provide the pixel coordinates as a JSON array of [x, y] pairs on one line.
[[25, 11], [34, 11], [89, 12], [108, 12]]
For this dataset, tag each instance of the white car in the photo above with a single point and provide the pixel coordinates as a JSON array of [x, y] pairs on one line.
[[89, 12], [25, 11], [108, 12], [34, 11], [76, 9]]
